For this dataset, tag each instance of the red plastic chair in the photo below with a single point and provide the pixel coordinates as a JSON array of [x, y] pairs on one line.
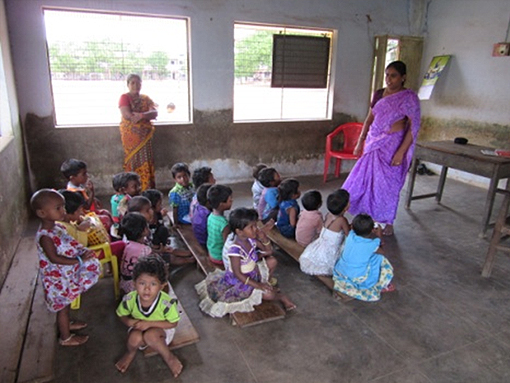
[[351, 132]]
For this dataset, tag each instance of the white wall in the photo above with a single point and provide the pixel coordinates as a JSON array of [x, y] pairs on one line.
[[475, 85]]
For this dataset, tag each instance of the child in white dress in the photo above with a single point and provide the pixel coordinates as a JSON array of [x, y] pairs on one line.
[[320, 256]]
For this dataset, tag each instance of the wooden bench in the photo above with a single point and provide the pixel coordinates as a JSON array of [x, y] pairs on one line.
[[185, 333], [294, 249], [27, 325], [265, 312]]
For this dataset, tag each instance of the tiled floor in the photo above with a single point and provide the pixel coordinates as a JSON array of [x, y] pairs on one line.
[[445, 323]]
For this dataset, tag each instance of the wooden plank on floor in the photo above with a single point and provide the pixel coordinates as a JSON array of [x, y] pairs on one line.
[[15, 301], [40, 343], [263, 313], [198, 251], [185, 333]]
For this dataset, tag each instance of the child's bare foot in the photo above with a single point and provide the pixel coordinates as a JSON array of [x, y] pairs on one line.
[[74, 340], [77, 325], [287, 303], [123, 364], [388, 230], [174, 364]]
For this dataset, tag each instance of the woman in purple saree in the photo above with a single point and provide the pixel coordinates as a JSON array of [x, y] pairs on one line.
[[387, 139]]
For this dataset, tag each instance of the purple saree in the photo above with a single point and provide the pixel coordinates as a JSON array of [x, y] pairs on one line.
[[374, 185]]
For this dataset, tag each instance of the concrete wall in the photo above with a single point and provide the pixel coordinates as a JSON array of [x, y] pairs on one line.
[[295, 148], [13, 196]]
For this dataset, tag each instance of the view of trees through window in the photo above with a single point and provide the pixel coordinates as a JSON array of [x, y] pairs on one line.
[[91, 54], [254, 99]]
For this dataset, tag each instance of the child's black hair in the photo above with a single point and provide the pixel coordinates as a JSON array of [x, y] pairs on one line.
[[72, 167], [137, 203], [201, 176], [74, 200], [240, 218], [363, 225], [337, 201], [287, 189], [218, 194], [312, 200], [42, 197], [256, 170], [179, 167], [127, 177], [117, 181], [133, 225], [152, 265], [266, 176], [202, 193], [153, 195]]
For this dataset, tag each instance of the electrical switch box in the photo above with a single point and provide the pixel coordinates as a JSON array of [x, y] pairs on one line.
[[501, 49]]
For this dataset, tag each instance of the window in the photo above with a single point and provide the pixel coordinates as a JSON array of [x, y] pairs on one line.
[[90, 55], [281, 73]]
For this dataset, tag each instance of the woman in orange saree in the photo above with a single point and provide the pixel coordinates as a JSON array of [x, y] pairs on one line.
[[136, 131]]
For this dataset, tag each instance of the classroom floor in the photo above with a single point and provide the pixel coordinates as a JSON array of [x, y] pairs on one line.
[[445, 323]]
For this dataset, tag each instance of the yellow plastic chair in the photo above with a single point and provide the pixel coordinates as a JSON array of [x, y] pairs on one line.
[[108, 258]]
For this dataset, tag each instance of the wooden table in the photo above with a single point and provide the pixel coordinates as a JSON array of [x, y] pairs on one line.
[[468, 158]]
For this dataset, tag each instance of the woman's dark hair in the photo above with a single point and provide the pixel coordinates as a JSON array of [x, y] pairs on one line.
[[240, 218], [363, 225], [218, 194], [201, 176], [202, 193], [256, 170], [72, 167], [266, 176], [337, 201], [153, 195], [151, 264], [132, 226], [132, 76], [137, 203], [287, 189], [117, 181], [179, 167], [399, 66], [74, 200], [312, 200], [127, 177]]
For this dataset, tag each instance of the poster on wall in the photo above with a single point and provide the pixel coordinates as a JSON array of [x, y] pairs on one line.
[[436, 67]]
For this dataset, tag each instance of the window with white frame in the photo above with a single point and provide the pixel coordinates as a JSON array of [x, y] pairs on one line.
[[282, 73], [91, 54]]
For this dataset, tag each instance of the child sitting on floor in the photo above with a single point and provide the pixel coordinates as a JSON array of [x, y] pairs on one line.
[[159, 232], [257, 188], [117, 197], [75, 172], [244, 283], [268, 203], [130, 186], [151, 315], [220, 200], [288, 207], [67, 269], [135, 228], [362, 272], [202, 211], [181, 194], [200, 176], [310, 221], [320, 256]]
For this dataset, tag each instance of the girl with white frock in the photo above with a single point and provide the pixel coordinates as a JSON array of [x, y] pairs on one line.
[[320, 256]]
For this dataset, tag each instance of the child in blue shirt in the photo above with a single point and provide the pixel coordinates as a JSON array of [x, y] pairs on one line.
[[181, 194], [288, 193]]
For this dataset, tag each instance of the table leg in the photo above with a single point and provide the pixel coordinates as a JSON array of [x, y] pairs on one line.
[[440, 186], [410, 185], [489, 203]]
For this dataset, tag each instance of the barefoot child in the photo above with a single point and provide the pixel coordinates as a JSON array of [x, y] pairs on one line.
[[220, 200], [181, 194], [150, 314], [362, 272], [310, 222], [288, 207], [67, 269], [320, 256], [244, 283]]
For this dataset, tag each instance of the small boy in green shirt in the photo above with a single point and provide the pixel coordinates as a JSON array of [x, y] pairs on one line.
[[220, 200], [150, 314]]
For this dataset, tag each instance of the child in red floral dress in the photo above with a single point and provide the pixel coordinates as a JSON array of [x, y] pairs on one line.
[[67, 269]]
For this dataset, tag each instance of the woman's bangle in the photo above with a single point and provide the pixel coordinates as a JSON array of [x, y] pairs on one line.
[[247, 280], [80, 260]]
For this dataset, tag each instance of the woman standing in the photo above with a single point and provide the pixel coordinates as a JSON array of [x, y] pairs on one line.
[[387, 139], [136, 131]]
